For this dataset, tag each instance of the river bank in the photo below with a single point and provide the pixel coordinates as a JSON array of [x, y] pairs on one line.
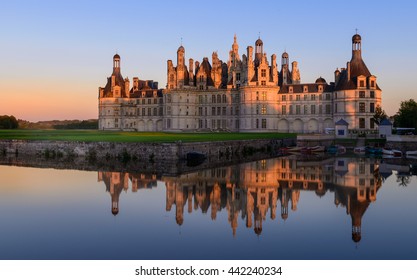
[[169, 157]]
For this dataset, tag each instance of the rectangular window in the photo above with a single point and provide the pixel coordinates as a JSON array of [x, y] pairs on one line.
[[291, 110], [297, 97], [320, 109], [290, 97], [143, 111], [149, 101], [313, 97], [264, 96], [149, 111], [143, 101], [213, 124], [362, 107], [284, 98], [372, 107], [237, 76], [257, 95], [328, 109], [264, 123], [305, 109], [372, 94], [224, 111], [327, 96], [362, 94], [155, 111], [263, 83], [263, 73], [213, 111], [263, 110], [372, 84], [313, 109], [284, 109], [257, 123], [361, 122], [361, 83], [305, 97], [371, 123], [297, 109], [219, 111]]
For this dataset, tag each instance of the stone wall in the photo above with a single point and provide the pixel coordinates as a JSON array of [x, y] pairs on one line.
[[402, 142], [136, 156]]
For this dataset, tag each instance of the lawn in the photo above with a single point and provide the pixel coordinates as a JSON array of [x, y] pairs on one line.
[[124, 136]]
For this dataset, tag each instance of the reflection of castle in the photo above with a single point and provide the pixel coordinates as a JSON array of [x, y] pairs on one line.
[[250, 190], [117, 181]]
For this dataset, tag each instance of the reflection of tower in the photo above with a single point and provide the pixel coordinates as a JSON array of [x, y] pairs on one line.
[[258, 221], [284, 195], [115, 182], [215, 200], [357, 209]]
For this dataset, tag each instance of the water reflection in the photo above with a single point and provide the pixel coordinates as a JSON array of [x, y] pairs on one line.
[[252, 192]]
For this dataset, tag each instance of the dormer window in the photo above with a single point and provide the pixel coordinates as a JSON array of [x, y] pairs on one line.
[[320, 88], [290, 89], [305, 89], [361, 83]]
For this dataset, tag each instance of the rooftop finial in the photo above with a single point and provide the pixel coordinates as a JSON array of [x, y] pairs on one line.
[[181, 41], [356, 30], [259, 35]]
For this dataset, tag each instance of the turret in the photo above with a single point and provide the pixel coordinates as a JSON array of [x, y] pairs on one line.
[[336, 76], [259, 45], [191, 71]]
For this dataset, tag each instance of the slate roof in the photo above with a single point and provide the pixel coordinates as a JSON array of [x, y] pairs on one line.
[[341, 122]]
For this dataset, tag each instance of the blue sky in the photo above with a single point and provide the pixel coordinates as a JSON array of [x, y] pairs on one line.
[[57, 53]]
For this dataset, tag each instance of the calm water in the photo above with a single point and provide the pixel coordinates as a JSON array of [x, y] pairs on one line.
[[339, 208]]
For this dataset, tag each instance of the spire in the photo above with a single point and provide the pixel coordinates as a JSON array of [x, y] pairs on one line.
[[235, 46]]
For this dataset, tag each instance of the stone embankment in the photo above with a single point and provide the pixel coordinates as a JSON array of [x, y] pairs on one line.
[[137, 156]]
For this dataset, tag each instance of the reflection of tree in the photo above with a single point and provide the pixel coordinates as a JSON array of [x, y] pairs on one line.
[[403, 180]]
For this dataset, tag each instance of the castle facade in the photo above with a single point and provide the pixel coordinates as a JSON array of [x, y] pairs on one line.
[[247, 94]]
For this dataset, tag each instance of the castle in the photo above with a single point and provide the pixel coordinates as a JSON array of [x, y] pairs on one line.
[[246, 94]]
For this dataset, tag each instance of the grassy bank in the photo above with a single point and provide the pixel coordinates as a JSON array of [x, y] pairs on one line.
[[123, 136]]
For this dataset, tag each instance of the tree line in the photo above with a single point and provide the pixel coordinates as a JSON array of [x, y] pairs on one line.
[[8, 122]]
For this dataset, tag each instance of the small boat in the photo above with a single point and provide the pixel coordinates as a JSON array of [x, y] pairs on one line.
[[294, 149], [411, 153], [392, 152], [359, 150], [336, 149], [315, 149], [373, 150]]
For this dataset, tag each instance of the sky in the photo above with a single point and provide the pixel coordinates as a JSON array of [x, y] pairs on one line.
[[55, 54]]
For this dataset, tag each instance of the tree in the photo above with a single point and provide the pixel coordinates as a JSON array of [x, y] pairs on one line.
[[406, 115], [379, 115], [8, 122]]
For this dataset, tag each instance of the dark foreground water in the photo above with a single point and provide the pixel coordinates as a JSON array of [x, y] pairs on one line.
[[284, 208]]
